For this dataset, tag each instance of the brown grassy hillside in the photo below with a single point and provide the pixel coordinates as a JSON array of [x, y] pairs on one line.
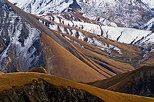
[[64, 58], [18, 81], [63, 54], [139, 82], [91, 55], [61, 63]]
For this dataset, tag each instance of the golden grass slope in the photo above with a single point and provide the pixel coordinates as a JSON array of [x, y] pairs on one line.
[[20, 79], [62, 63], [89, 55]]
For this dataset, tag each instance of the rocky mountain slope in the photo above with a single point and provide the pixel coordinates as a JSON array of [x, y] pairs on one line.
[[150, 3], [80, 27], [54, 56], [129, 13], [19, 42], [47, 6], [149, 25], [108, 30], [96, 51], [34, 87], [138, 82], [72, 39]]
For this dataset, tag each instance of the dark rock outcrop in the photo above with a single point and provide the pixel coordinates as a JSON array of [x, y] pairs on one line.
[[41, 91], [138, 82], [143, 83]]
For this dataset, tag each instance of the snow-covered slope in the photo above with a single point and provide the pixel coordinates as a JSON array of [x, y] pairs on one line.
[[149, 25], [19, 42], [130, 13], [70, 17], [102, 20], [98, 46], [47, 6], [100, 36], [20, 3], [120, 34], [21, 49], [150, 3]]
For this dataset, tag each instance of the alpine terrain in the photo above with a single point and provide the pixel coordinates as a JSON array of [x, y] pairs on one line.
[[107, 44]]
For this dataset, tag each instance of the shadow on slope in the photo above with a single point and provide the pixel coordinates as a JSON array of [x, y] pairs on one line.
[[138, 82]]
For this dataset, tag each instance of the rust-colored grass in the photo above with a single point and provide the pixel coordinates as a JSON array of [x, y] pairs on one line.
[[7, 81], [62, 63]]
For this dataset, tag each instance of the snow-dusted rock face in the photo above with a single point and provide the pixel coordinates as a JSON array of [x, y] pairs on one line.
[[129, 13], [119, 34], [78, 29], [150, 3], [95, 43], [46, 6], [149, 25], [19, 42]]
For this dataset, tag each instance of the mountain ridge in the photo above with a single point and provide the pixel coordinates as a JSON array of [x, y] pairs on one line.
[[130, 9], [98, 55], [35, 81], [137, 82], [72, 39]]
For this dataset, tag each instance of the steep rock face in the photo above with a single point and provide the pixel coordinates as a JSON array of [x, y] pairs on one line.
[[129, 13], [143, 82], [41, 7], [149, 25], [41, 91], [19, 42]]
